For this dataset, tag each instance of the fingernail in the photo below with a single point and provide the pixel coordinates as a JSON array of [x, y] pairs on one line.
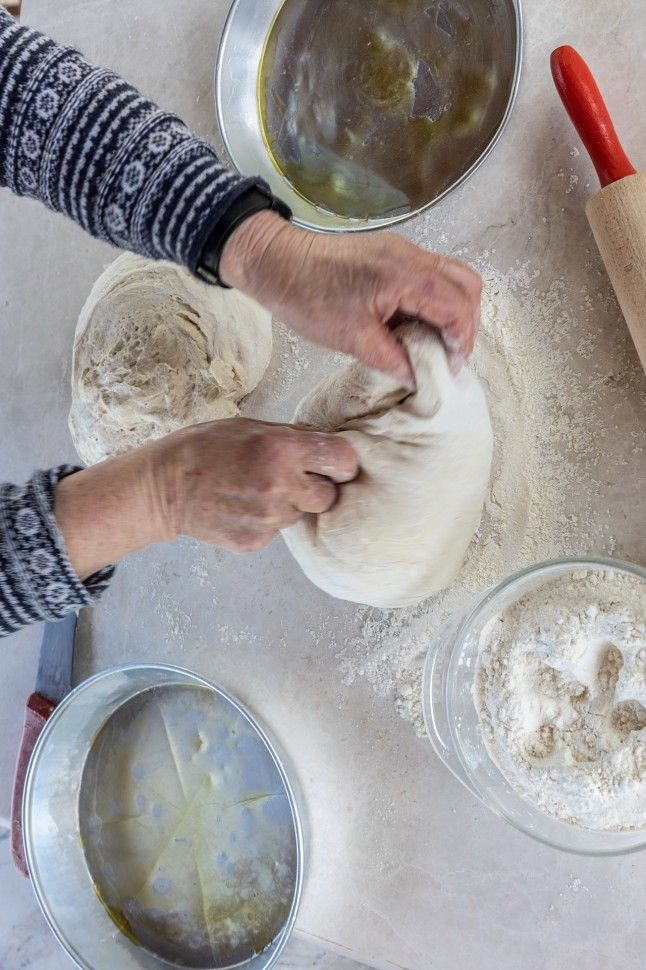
[[451, 342], [456, 362]]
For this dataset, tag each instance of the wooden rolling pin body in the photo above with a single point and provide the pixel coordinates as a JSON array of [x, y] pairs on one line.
[[617, 216]]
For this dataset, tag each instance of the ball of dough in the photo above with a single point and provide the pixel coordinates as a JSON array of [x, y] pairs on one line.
[[399, 532], [156, 350]]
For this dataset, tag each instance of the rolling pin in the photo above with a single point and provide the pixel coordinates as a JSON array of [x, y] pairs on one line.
[[617, 213]]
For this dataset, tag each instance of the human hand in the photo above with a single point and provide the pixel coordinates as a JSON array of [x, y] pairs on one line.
[[347, 292], [236, 483], [233, 483]]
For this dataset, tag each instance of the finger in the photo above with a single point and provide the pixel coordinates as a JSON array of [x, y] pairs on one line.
[[376, 346], [330, 455], [456, 356], [454, 351], [444, 304], [448, 303], [471, 281], [463, 274], [317, 494], [456, 362]]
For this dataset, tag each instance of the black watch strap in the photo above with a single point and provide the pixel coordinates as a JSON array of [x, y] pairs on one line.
[[248, 204]]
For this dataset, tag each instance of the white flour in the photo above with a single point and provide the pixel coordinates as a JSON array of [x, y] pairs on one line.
[[560, 690], [546, 417]]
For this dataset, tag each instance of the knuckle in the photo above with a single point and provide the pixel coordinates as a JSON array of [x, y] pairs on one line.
[[468, 277], [264, 449], [425, 263], [331, 446], [270, 487]]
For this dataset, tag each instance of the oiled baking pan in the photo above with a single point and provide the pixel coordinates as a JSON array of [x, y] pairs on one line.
[[362, 115], [162, 826]]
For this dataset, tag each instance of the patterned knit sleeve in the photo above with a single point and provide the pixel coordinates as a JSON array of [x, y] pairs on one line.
[[86, 143], [37, 581]]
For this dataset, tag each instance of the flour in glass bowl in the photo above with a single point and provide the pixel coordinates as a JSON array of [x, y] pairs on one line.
[[560, 690]]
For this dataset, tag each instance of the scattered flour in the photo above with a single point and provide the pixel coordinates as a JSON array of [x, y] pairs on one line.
[[294, 359], [292, 356], [560, 690], [546, 417]]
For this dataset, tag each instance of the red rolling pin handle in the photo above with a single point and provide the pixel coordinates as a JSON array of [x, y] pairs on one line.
[[37, 711], [585, 106]]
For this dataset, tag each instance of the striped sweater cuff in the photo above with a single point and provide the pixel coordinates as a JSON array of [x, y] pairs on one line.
[[37, 581]]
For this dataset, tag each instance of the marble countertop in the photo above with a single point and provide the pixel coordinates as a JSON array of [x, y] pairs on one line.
[[407, 870]]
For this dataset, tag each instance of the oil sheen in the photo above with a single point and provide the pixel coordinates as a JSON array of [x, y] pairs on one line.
[[187, 829], [374, 108]]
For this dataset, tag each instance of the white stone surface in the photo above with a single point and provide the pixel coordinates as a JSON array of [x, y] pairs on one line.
[[407, 870]]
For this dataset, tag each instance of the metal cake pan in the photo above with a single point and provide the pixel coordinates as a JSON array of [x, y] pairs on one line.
[[236, 100], [55, 854]]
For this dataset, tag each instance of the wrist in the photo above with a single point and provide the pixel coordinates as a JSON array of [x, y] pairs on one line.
[[167, 474], [245, 251], [109, 510]]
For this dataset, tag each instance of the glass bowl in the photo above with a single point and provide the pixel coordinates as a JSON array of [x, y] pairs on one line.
[[454, 728]]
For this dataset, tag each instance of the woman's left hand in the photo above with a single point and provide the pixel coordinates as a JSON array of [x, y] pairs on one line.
[[346, 292]]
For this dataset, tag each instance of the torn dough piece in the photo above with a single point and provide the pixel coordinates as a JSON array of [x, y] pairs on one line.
[[156, 350], [399, 532]]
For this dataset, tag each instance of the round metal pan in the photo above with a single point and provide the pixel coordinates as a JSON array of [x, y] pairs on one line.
[[236, 99], [62, 871]]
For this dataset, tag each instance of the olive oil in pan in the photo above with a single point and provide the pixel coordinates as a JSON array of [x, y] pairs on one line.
[[375, 107], [187, 829]]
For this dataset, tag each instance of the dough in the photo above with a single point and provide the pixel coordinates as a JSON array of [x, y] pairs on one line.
[[156, 350], [399, 532]]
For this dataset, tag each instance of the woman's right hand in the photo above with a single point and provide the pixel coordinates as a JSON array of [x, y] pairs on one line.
[[236, 483], [233, 483]]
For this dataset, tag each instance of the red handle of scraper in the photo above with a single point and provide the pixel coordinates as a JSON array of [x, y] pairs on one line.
[[585, 106], [37, 712]]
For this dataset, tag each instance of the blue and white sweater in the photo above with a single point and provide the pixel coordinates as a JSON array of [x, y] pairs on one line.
[[87, 144]]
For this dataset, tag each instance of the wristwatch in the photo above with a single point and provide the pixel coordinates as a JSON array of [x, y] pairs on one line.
[[248, 204]]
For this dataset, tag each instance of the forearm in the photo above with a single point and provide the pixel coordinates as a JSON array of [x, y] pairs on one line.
[[86, 143], [60, 533], [108, 511]]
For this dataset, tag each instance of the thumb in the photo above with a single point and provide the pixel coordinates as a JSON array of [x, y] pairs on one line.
[[379, 348]]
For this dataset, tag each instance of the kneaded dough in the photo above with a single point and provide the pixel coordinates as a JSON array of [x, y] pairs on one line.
[[155, 350], [399, 532]]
